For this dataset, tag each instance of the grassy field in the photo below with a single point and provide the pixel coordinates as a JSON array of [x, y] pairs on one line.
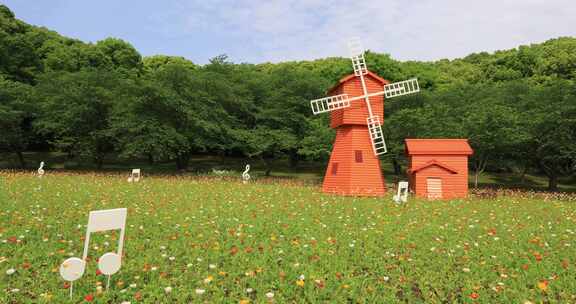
[[204, 240], [309, 172]]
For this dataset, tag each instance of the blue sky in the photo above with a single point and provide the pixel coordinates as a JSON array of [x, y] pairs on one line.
[[280, 30]]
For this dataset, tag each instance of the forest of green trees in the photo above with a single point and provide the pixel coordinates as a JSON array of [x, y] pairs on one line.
[[90, 100]]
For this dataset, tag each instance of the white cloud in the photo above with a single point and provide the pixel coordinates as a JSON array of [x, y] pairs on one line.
[[277, 30]]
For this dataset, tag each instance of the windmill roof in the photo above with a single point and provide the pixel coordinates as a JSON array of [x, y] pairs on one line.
[[352, 76], [438, 146], [433, 163]]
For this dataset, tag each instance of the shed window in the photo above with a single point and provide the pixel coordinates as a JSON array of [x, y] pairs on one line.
[[358, 156], [334, 168]]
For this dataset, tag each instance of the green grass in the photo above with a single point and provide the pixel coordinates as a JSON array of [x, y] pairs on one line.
[[265, 236]]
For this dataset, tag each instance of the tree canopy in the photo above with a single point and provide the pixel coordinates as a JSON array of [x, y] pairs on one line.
[[517, 107]]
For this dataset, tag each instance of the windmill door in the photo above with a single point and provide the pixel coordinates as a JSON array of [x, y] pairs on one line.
[[434, 187]]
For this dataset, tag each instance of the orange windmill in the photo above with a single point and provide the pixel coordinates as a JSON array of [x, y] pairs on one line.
[[354, 167]]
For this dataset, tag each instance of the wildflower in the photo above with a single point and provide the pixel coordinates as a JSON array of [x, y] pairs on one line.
[[474, 296], [466, 269], [300, 283], [212, 266], [168, 289], [10, 271], [244, 301], [270, 295], [543, 285], [208, 279], [249, 290], [200, 291], [89, 298]]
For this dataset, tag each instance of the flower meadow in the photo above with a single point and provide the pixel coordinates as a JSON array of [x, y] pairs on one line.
[[203, 240]]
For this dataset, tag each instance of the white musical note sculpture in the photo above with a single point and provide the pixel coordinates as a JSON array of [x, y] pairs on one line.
[[41, 169], [245, 175], [134, 176], [402, 195], [103, 220]]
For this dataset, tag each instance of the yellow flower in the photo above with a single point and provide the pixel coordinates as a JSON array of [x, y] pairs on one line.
[[208, 279], [300, 283], [244, 301], [543, 285]]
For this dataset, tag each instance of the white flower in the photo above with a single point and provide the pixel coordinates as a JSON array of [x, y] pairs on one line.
[[249, 290], [125, 302], [168, 289], [270, 295], [301, 277], [15, 290], [172, 258], [386, 278], [212, 266], [154, 268], [466, 269], [200, 291], [133, 285], [162, 247], [10, 271], [189, 265]]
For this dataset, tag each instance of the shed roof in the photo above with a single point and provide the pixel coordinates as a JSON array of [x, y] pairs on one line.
[[352, 76], [433, 163], [438, 146]]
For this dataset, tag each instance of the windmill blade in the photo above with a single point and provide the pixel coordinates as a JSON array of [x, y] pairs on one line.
[[330, 103], [401, 88], [357, 55], [376, 135], [355, 47]]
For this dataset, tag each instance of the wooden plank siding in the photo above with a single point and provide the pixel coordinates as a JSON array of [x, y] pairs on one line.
[[454, 184], [358, 112], [353, 178]]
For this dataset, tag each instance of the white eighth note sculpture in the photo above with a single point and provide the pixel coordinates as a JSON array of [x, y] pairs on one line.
[[134, 176], [103, 220], [402, 195]]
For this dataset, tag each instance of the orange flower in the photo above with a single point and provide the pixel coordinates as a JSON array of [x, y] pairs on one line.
[[543, 285], [474, 296]]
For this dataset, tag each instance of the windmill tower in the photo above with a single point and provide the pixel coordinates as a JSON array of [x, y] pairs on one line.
[[354, 167]]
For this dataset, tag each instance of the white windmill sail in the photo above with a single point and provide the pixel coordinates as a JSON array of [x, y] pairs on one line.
[[342, 101]]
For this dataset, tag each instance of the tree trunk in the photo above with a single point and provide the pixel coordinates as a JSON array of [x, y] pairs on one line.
[[294, 159], [476, 175], [552, 182], [182, 162], [99, 162], [268, 164], [397, 167], [21, 159], [523, 174]]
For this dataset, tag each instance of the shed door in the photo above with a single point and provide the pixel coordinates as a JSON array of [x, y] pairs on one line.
[[434, 187]]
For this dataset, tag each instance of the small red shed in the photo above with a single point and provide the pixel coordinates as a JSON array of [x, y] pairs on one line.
[[438, 168]]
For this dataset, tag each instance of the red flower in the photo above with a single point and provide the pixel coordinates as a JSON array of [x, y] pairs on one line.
[[98, 272], [66, 285], [89, 298], [474, 296]]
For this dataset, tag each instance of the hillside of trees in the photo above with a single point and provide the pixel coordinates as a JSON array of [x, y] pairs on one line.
[[90, 100]]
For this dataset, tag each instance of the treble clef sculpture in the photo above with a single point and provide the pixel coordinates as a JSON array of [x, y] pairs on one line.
[[245, 175], [41, 170]]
